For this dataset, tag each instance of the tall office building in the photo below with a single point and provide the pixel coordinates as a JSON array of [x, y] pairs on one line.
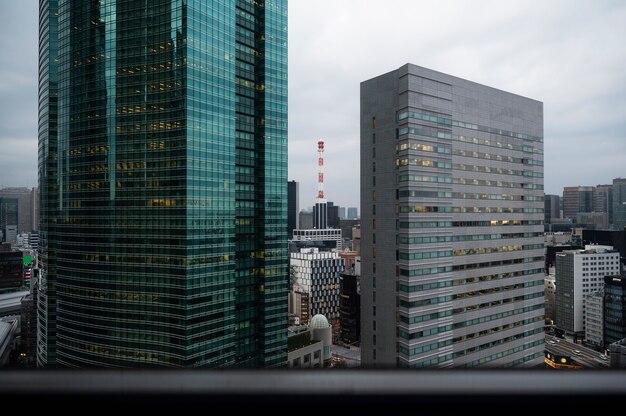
[[8, 219], [293, 207], [603, 201], [451, 223], [163, 162], [26, 205], [614, 309], [594, 319], [578, 199], [353, 213], [551, 208], [580, 273], [619, 204], [318, 275], [332, 211]]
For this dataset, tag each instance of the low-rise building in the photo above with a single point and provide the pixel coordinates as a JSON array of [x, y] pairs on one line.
[[309, 347]]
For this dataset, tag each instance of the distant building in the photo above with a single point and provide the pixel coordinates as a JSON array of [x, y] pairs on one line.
[[350, 303], [299, 304], [353, 213], [11, 269], [320, 214], [594, 320], [346, 227], [324, 239], [310, 347], [617, 353], [333, 215], [614, 308], [556, 238], [577, 199], [619, 204], [550, 288], [28, 331], [305, 220], [603, 201], [561, 224], [27, 207], [317, 274], [356, 238], [551, 208], [593, 220], [614, 238], [342, 213], [579, 273], [293, 207], [9, 219]]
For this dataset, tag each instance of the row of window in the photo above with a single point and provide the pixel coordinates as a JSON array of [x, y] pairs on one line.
[[402, 239], [486, 142], [469, 295], [402, 115], [459, 282]]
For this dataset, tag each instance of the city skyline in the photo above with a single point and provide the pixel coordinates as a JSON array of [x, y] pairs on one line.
[[582, 85]]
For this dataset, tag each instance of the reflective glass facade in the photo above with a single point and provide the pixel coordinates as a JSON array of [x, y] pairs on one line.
[[170, 183]]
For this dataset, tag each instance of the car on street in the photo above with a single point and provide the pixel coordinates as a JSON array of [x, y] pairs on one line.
[[577, 352]]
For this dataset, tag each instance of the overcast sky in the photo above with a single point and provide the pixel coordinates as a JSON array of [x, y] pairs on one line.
[[568, 54]]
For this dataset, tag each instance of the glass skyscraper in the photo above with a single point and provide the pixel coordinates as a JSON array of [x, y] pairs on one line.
[[163, 171]]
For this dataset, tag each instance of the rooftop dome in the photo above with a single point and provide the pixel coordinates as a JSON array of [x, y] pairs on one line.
[[319, 321]]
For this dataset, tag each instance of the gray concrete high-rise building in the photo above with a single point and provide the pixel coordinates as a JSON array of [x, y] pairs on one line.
[[619, 204], [451, 223], [580, 273], [353, 213]]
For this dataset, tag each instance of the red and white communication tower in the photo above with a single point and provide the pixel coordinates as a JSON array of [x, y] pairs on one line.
[[320, 171]]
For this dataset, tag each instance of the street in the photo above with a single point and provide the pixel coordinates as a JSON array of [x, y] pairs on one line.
[[588, 358]]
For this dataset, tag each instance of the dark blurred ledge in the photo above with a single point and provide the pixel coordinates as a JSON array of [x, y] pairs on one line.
[[312, 391]]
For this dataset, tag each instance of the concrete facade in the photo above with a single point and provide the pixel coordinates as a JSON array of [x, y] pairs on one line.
[[452, 213], [321, 235], [318, 275], [580, 273]]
